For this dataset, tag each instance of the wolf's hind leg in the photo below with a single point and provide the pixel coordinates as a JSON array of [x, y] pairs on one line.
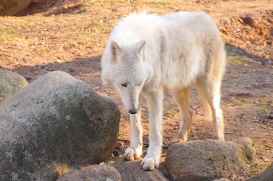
[[209, 90], [181, 98], [134, 151]]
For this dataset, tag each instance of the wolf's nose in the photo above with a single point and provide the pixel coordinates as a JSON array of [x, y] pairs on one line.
[[132, 111]]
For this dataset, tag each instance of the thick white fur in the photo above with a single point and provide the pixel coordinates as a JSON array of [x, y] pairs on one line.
[[147, 53]]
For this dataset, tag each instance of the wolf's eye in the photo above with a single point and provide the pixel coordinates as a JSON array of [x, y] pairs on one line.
[[124, 85]]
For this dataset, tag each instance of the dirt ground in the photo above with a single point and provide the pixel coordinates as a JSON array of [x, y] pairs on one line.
[[70, 36]]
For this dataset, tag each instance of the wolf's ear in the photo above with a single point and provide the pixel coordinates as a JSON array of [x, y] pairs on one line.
[[140, 46], [115, 49]]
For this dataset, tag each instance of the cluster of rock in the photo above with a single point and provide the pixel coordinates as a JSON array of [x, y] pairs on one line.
[[54, 125], [59, 128]]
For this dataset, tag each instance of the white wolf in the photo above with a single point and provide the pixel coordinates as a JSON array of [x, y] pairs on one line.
[[147, 53]]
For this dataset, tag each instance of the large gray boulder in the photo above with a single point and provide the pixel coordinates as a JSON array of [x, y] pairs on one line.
[[131, 170], [93, 173], [208, 159], [11, 7], [54, 125], [10, 82], [267, 175]]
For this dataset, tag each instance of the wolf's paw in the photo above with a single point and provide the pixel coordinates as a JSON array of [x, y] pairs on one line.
[[175, 140], [132, 153], [149, 163]]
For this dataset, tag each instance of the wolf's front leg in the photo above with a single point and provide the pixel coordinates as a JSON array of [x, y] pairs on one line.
[[134, 151], [155, 105]]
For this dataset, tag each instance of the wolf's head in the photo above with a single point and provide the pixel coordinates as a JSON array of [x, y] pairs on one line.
[[127, 72]]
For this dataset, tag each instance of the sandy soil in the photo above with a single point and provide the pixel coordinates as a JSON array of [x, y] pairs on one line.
[[71, 35]]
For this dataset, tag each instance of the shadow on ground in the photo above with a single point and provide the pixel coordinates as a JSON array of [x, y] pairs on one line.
[[90, 66], [54, 7], [240, 51], [77, 67]]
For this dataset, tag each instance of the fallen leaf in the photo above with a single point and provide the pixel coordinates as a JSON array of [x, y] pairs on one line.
[[265, 159]]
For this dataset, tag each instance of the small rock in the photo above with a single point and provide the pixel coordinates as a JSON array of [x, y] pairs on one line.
[[119, 145], [131, 170], [93, 173], [10, 83], [248, 20], [208, 159], [232, 177], [221, 179]]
